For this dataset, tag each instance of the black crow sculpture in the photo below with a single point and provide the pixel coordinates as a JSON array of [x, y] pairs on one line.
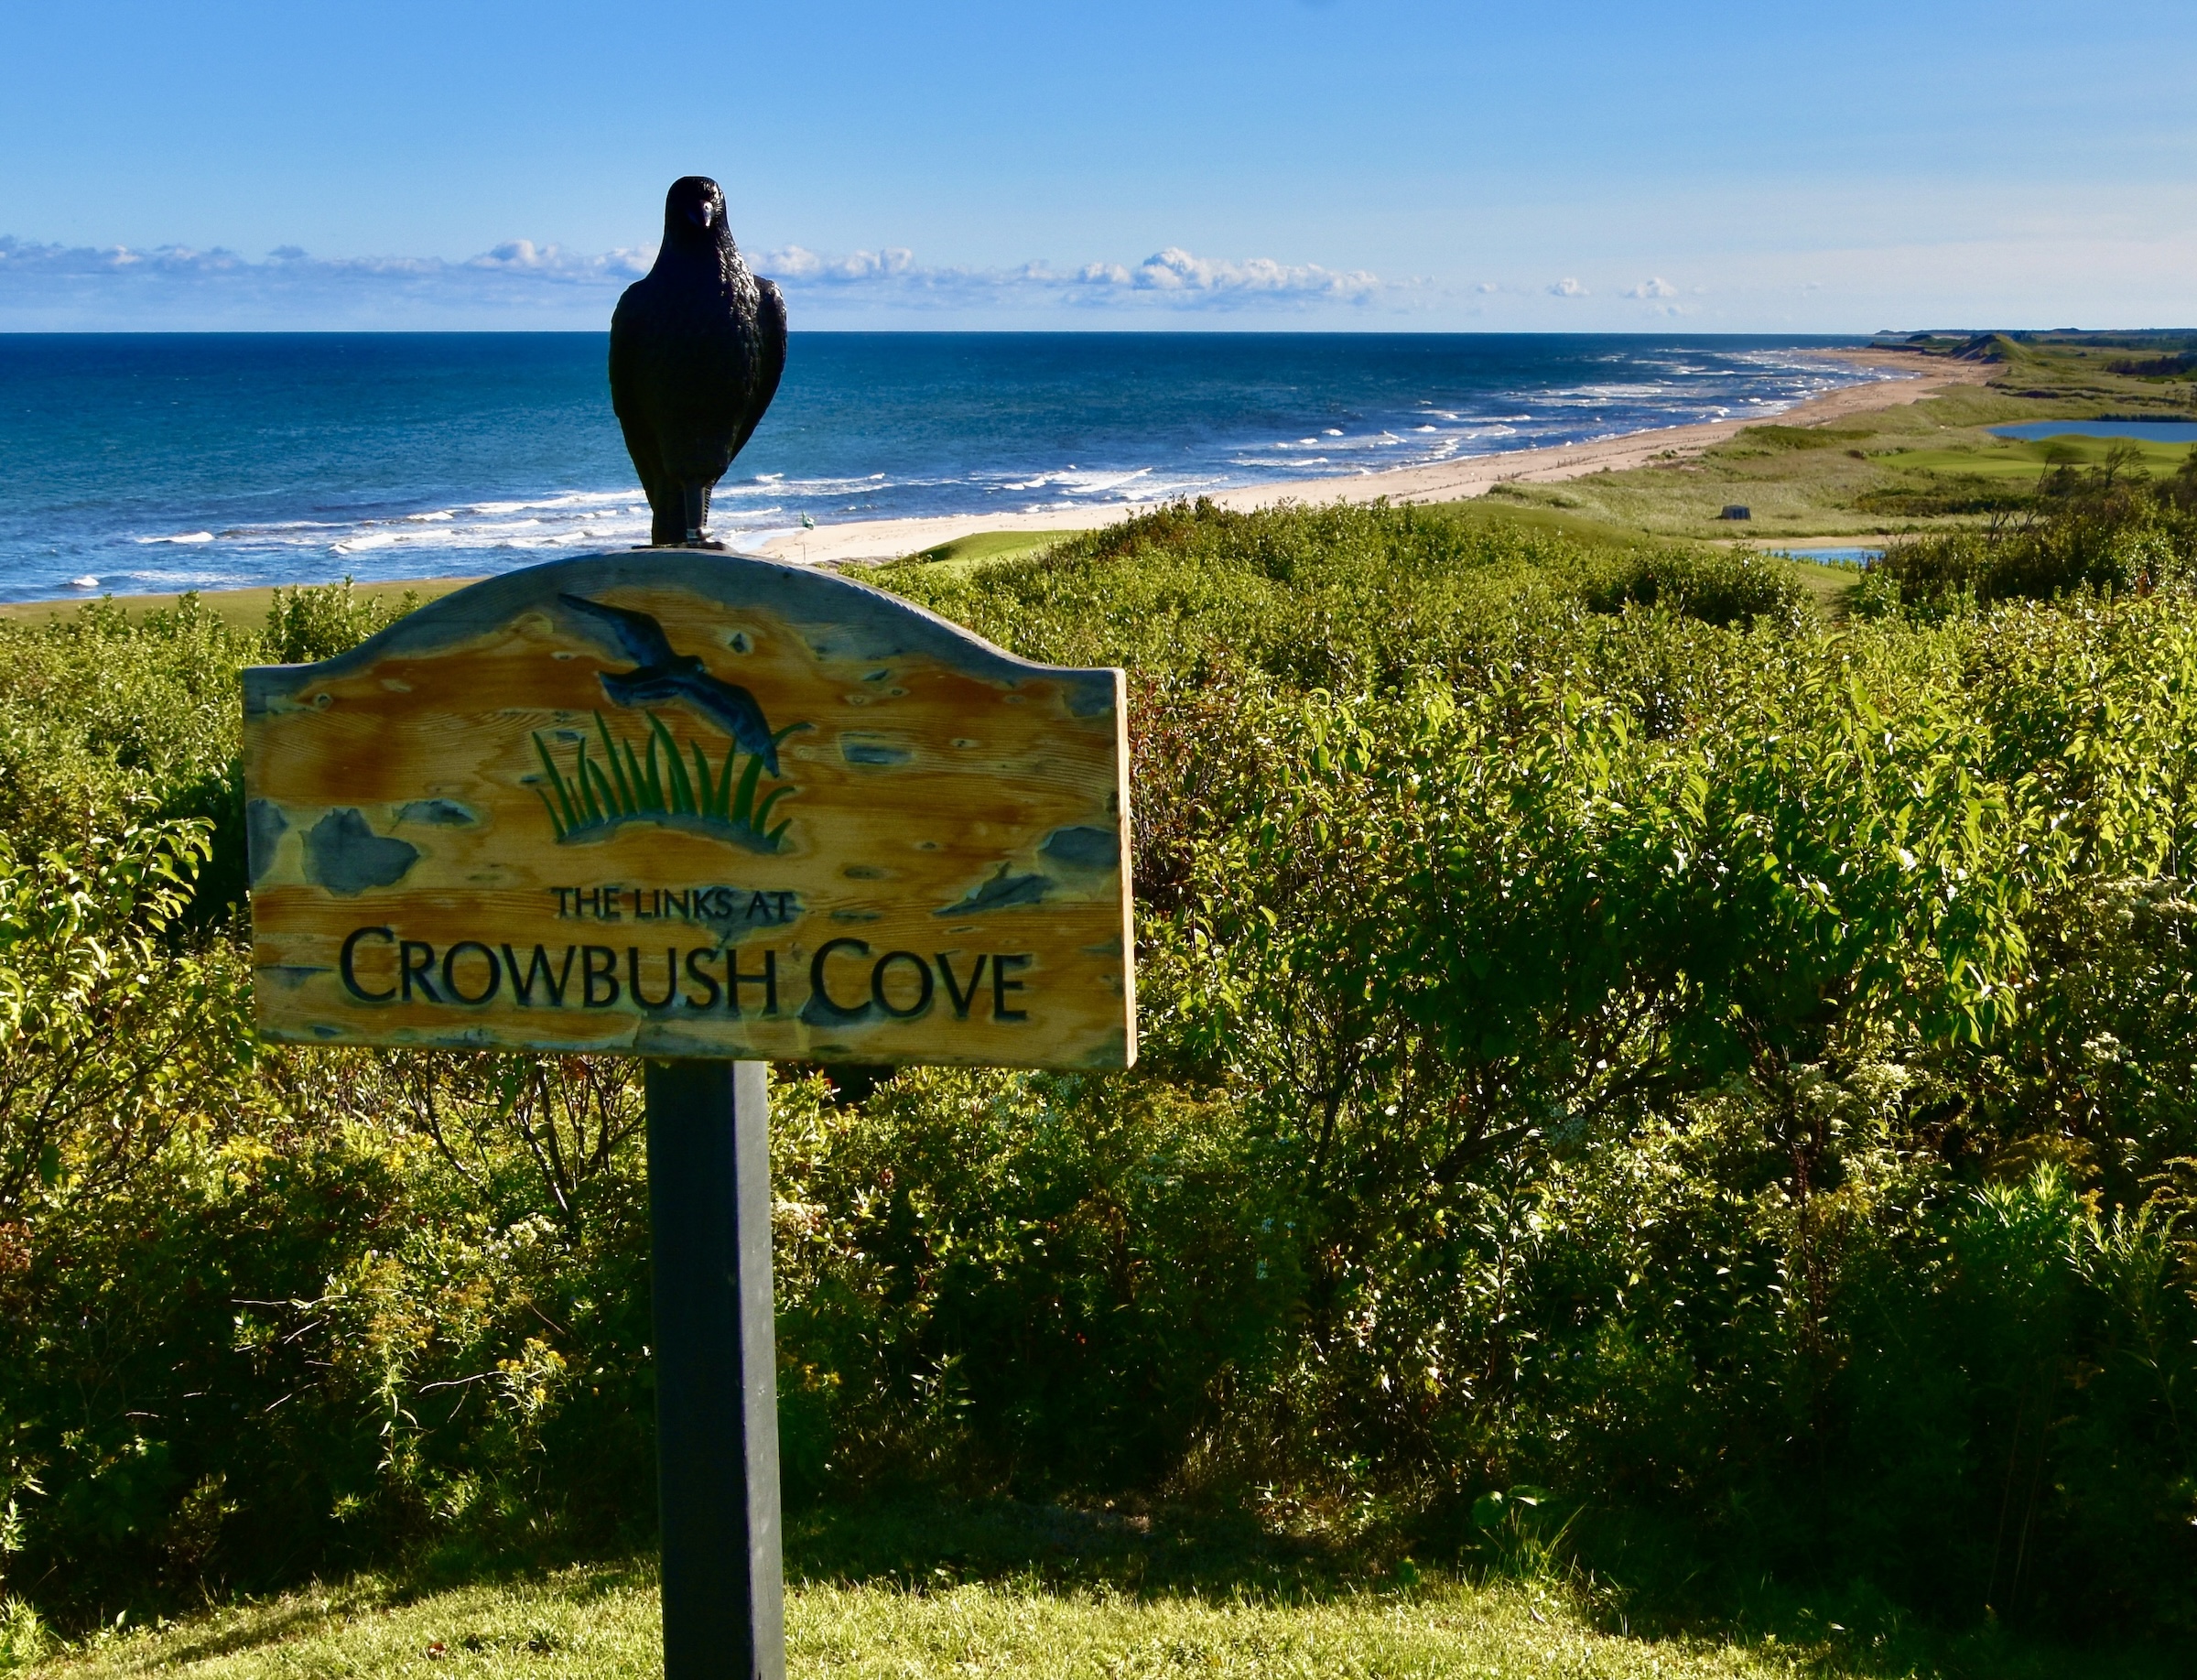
[[697, 344]]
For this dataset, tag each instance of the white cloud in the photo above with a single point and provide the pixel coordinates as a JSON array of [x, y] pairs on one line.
[[1170, 277], [1567, 287], [1656, 287], [1176, 270], [553, 261], [797, 263], [516, 283], [520, 283]]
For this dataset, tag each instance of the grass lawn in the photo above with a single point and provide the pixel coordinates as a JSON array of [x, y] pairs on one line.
[[603, 1621], [982, 548], [2009, 458], [243, 609], [926, 1589]]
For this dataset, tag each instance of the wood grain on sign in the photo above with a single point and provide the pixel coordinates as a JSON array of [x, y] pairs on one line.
[[691, 805]]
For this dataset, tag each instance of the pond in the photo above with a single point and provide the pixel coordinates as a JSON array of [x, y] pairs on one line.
[[2150, 432], [1863, 558]]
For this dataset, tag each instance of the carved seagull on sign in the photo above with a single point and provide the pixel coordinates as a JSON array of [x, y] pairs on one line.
[[662, 675]]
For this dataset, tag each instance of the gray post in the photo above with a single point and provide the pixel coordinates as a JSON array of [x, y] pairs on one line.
[[716, 1391]]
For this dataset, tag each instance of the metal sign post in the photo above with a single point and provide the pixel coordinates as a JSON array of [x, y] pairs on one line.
[[716, 1392], [714, 812]]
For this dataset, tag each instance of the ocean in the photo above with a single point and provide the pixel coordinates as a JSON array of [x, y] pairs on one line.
[[145, 464]]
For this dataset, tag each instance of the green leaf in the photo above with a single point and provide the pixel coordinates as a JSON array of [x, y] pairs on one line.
[[743, 800], [624, 804], [682, 790], [556, 781], [587, 776]]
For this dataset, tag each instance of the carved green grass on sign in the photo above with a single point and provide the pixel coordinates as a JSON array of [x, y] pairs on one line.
[[624, 786]]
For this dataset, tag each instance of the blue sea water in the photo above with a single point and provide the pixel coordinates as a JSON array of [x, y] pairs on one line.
[[153, 462]]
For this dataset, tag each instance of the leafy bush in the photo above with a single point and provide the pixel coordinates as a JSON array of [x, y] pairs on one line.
[[2107, 530], [110, 1041], [105, 722], [307, 625], [1715, 586], [1337, 598]]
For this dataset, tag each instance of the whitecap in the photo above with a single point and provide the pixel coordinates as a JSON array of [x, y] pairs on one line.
[[83, 583], [185, 579], [187, 537]]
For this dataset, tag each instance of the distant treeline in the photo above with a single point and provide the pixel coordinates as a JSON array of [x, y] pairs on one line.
[[2157, 367], [2070, 339]]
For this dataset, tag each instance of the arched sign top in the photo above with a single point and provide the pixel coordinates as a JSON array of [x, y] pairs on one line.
[[691, 805]]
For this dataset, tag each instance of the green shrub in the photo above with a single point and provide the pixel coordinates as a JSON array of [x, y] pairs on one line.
[[106, 720], [306, 624], [1715, 586], [2108, 530], [1024, 1282]]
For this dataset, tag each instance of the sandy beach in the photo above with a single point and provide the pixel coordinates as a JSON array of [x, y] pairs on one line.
[[1904, 378]]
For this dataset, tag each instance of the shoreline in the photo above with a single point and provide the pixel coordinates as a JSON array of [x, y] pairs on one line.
[[1905, 378]]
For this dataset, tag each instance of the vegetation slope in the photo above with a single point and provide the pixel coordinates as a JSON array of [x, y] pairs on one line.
[[1641, 1080], [1927, 466]]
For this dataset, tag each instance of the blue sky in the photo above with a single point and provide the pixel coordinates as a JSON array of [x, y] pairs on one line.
[[1255, 163]]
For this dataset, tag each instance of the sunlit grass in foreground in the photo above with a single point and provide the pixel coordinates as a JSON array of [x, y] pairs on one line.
[[603, 1621]]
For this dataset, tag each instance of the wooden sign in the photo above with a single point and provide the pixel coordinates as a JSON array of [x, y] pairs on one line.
[[687, 804]]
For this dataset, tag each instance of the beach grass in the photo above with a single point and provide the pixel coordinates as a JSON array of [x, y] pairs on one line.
[[1555, 521]]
